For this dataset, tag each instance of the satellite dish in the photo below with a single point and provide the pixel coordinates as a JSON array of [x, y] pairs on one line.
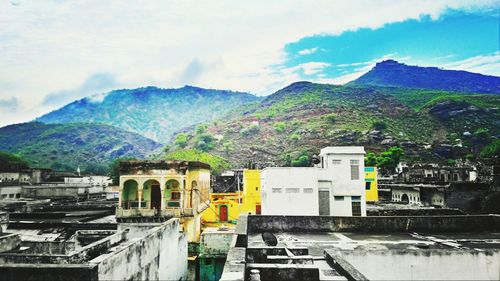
[[315, 160]]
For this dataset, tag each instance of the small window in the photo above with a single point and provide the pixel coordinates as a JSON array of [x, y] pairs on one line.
[[292, 190], [354, 162], [276, 190], [256, 188], [308, 190], [176, 195], [356, 198], [11, 195], [339, 198], [368, 185], [336, 162], [354, 171], [18, 195]]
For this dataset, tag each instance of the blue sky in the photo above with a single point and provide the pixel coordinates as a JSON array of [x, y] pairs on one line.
[[455, 37], [57, 51]]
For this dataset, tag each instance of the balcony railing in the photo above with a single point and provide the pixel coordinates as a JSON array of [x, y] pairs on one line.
[[134, 204]]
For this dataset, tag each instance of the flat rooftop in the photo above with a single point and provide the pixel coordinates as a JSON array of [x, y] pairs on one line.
[[454, 247]]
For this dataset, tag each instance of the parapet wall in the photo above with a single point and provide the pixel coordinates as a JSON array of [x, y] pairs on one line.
[[460, 223]]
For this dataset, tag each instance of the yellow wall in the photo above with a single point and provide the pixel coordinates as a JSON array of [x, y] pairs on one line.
[[371, 177], [250, 197]]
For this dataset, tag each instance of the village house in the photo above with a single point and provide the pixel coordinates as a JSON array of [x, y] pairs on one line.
[[159, 190], [334, 187]]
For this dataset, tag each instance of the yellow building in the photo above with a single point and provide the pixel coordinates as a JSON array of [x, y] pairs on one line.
[[371, 184], [226, 207], [152, 191]]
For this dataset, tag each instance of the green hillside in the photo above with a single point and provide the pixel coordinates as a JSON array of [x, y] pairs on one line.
[[304, 117], [150, 111], [68, 146]]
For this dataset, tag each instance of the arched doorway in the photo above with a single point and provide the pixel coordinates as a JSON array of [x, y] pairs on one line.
[[152, 192], [172, 193], [129, 194], [405, 199]]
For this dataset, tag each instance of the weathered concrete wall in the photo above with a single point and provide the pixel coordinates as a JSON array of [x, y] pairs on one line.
[[160, 254], [53, 272], [257, 224], [426, 264], [215, 243], [9, 241], [48, 247]]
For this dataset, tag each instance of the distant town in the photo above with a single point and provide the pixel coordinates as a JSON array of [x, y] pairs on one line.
[[177, 220]]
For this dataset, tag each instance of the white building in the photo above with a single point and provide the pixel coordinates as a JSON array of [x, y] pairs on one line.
[[335, 187]]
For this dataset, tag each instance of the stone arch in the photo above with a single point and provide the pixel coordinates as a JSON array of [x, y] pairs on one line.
[[405, 199], [172, 193], [152, 193], [129, 193]]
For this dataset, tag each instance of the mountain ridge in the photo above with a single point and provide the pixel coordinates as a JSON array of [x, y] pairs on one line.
[[151, 111], [395, 74]]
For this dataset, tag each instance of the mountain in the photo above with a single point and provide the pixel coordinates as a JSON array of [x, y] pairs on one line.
[[303, 117], [68, 146], [152, 112], [394, 74]]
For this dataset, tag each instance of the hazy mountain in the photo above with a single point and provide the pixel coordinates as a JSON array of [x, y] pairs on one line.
[[67, 146], [152, 112], [395, 74]]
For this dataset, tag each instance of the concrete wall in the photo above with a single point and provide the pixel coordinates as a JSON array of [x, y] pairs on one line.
[[283, 191], [449, 264], [160, 254], [10, 192], [257, 224]]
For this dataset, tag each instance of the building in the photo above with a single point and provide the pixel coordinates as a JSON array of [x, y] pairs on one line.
[[89, 180], [371, 186], [95, 251], [244, 198], [214, 245], [313, 248], [334, 187], [159, 190]]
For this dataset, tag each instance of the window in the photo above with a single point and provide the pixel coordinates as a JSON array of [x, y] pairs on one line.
[[356, 198], [292, 190], [368, 185], [339, 198], [18, 195], [354, 169], [356, 208], [308, 190], [336, 162], [176, 195], [276, 190]]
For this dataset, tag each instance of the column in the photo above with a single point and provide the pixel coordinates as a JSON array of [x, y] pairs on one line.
[[162, 189], [120, 184]]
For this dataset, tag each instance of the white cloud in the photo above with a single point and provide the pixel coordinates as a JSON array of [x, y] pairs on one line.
[[49, 46], [308, 51], [489, 63]]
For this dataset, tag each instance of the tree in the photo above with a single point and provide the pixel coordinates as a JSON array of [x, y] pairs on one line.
[[114, 169], [302, 161], [491, 150], [181, 140], [370, 159], [217, 164], [379, 125], [387, 160], [12, 162]]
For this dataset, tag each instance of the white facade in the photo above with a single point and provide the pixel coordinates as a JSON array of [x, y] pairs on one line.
[[89, 180], [335, 187]]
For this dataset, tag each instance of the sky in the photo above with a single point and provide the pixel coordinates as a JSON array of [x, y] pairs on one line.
[[53, 52]]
